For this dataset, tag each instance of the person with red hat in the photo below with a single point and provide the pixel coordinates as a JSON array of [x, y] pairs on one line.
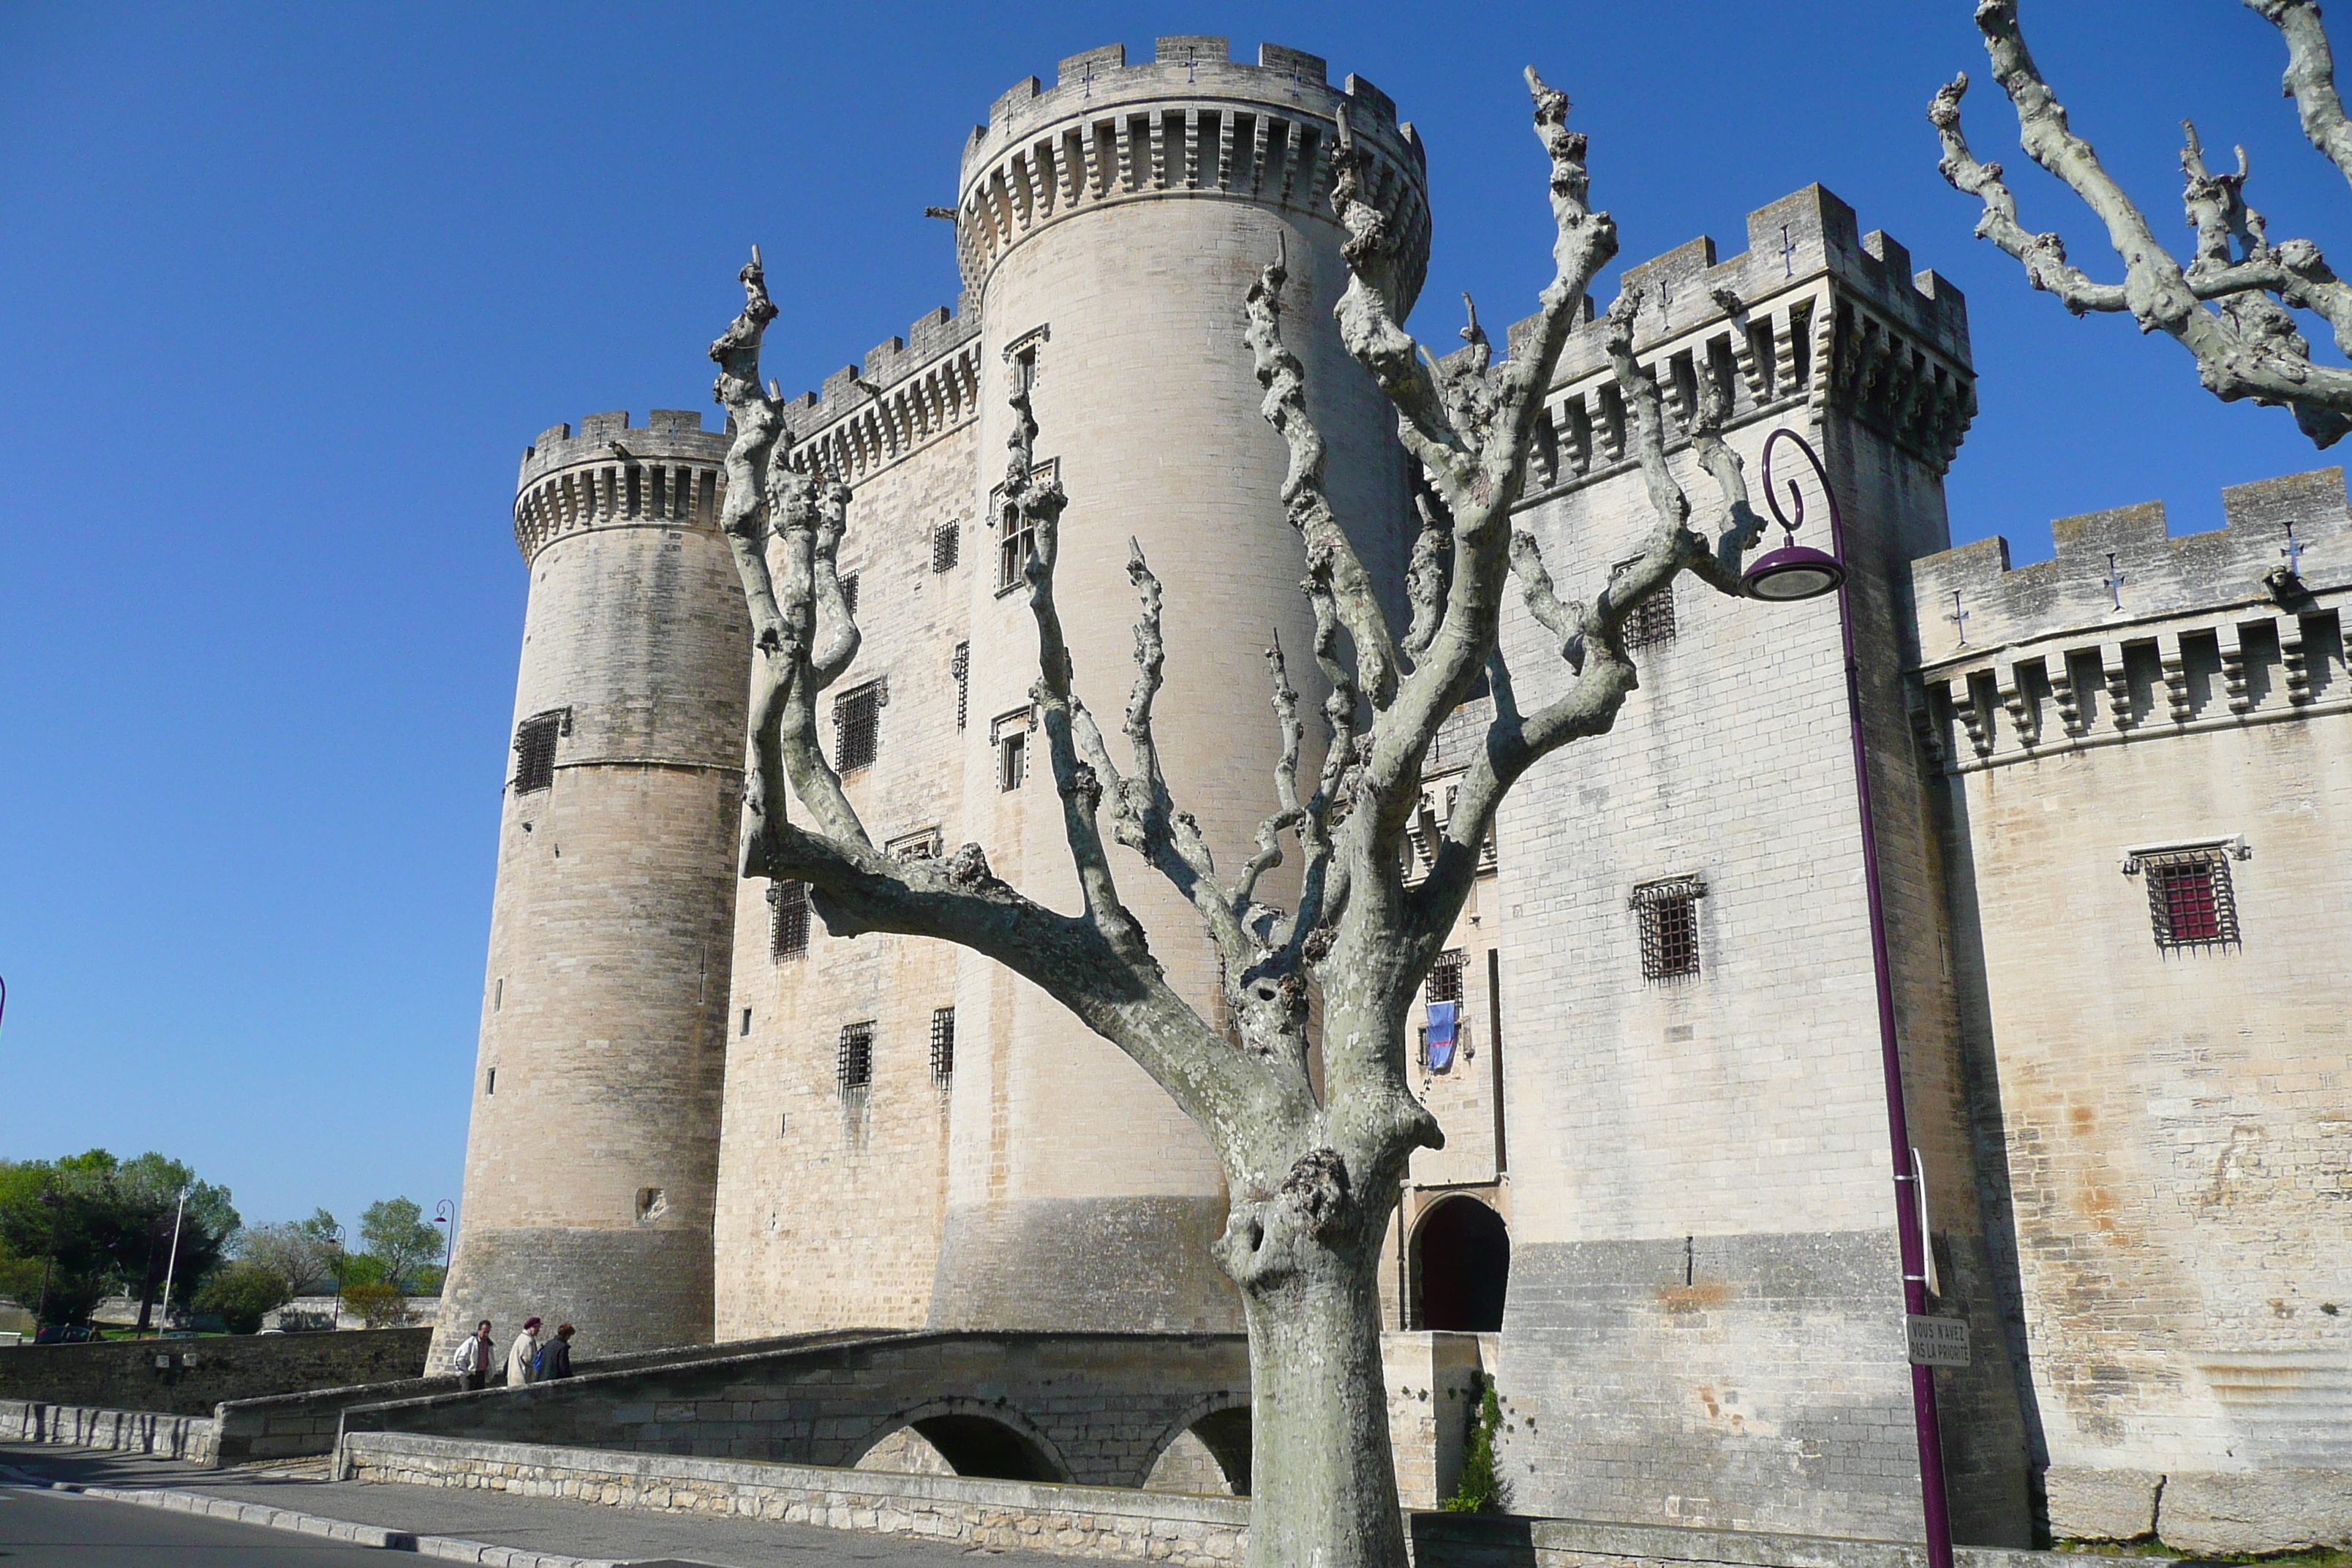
[[521, 1357]]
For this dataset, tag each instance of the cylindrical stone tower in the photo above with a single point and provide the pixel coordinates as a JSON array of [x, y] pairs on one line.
[[1109, 228], [595, 1140]]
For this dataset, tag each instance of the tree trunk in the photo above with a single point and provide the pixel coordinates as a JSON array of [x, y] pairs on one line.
[[1323, 1482]]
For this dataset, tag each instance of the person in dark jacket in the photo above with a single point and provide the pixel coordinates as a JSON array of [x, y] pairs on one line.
[[555, 1356]]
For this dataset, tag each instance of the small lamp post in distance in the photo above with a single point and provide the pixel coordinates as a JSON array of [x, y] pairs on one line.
[[445, 1214], [1791, 573]]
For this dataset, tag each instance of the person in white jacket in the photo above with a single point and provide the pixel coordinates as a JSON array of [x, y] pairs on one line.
[[472, 1361], [525, 1351]]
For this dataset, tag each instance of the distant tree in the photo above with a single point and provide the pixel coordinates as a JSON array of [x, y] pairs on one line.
[[242, 1294], [396, 1236], [380, 1304], [293, 1251], [101, 1224], [2232, 304]]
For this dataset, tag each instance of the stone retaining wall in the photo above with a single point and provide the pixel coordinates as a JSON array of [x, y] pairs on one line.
[[188, 1377], [1086, 1521], [186, 1438]]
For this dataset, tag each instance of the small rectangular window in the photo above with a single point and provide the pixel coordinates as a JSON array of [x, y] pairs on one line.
[[492, 1085], [534, 749], [854, 1060], [747, 1020], [1016, 538], [1011, 761], [849, 594], [1668, 915], [2190, 900], [788, 920], [1652, 620], [961, 668], [1445, 975], [947, 546], [857, 727], [942, 1046]]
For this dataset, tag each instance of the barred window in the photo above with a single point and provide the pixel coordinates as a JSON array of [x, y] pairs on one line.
[[854, 1062], [788, 920], [1445, 975], [962, 670], [1652, 620], [857, 727], [2190, 902], [942, 1046], [947, 546], [849, 594], [1668, 915], [534, 749]]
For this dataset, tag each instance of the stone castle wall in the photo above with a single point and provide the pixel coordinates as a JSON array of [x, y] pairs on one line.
[[2170, 1123]]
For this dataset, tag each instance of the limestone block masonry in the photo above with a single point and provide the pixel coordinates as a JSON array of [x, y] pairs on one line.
[[2149, 732], [592, 1154], [1078, 1196]]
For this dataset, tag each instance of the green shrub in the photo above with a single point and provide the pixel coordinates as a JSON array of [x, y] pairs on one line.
[[378, 1304], [1480, 1490], [241, 1294]]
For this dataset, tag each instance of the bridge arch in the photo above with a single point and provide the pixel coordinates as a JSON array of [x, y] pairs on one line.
[[976, 1438], [1218, 1424], [1461, 1265]]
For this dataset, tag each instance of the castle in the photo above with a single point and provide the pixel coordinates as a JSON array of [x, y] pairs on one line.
[[2113, 800]]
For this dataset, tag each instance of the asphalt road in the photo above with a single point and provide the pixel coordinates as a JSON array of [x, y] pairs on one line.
[[67, 1530]]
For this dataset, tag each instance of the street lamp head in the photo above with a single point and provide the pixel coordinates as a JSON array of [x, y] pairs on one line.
[[1793, 571]]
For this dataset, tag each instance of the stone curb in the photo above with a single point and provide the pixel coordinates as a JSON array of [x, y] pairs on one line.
[[449, 1548]]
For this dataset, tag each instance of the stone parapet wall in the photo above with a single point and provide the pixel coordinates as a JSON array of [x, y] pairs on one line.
[[1091, 1522], [189, 1377], [188, 1438], [1081, 1521]]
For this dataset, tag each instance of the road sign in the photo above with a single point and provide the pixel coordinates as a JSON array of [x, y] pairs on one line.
[[1938, 1342]]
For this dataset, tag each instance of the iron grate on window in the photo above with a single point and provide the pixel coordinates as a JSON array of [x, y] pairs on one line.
[[788, 920], [849, 595], [942, 1046], [1668, 915], [962, 670], [854, 1062], [947, 546], [1652, 620], [534, 749], [1445, 975], [2190, 902], [857, 727]]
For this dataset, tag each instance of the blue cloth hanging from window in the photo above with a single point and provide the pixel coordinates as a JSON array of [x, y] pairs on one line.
[[1441, 1035]]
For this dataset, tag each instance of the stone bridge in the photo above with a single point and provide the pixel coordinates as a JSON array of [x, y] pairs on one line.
[[1104, 1410]]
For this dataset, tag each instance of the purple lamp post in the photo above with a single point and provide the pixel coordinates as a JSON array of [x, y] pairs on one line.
[[1794, 572]]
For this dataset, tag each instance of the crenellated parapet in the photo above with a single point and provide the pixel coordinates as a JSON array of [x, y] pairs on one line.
[[1191, 123], [2130, 632], [905, 393], [669, 471], [1813, 316]]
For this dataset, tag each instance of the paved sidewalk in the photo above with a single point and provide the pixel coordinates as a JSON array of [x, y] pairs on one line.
[[556, 1526]]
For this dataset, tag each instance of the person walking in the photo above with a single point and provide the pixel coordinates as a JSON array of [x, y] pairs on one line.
[[522, 1354], [472, 1361], [555, 1355]]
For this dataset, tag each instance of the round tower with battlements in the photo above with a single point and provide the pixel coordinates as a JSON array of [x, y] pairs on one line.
[[1110, 228], [592, 1153]]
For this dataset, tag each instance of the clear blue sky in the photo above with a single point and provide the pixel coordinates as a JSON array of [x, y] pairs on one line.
[[284, 291]]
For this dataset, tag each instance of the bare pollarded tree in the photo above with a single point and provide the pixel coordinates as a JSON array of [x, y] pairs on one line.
[[1313, 1178], [2232, 305]]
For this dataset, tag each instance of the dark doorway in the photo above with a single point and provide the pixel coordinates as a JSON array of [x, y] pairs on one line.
[[1465, 1265], [975, 1446]]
